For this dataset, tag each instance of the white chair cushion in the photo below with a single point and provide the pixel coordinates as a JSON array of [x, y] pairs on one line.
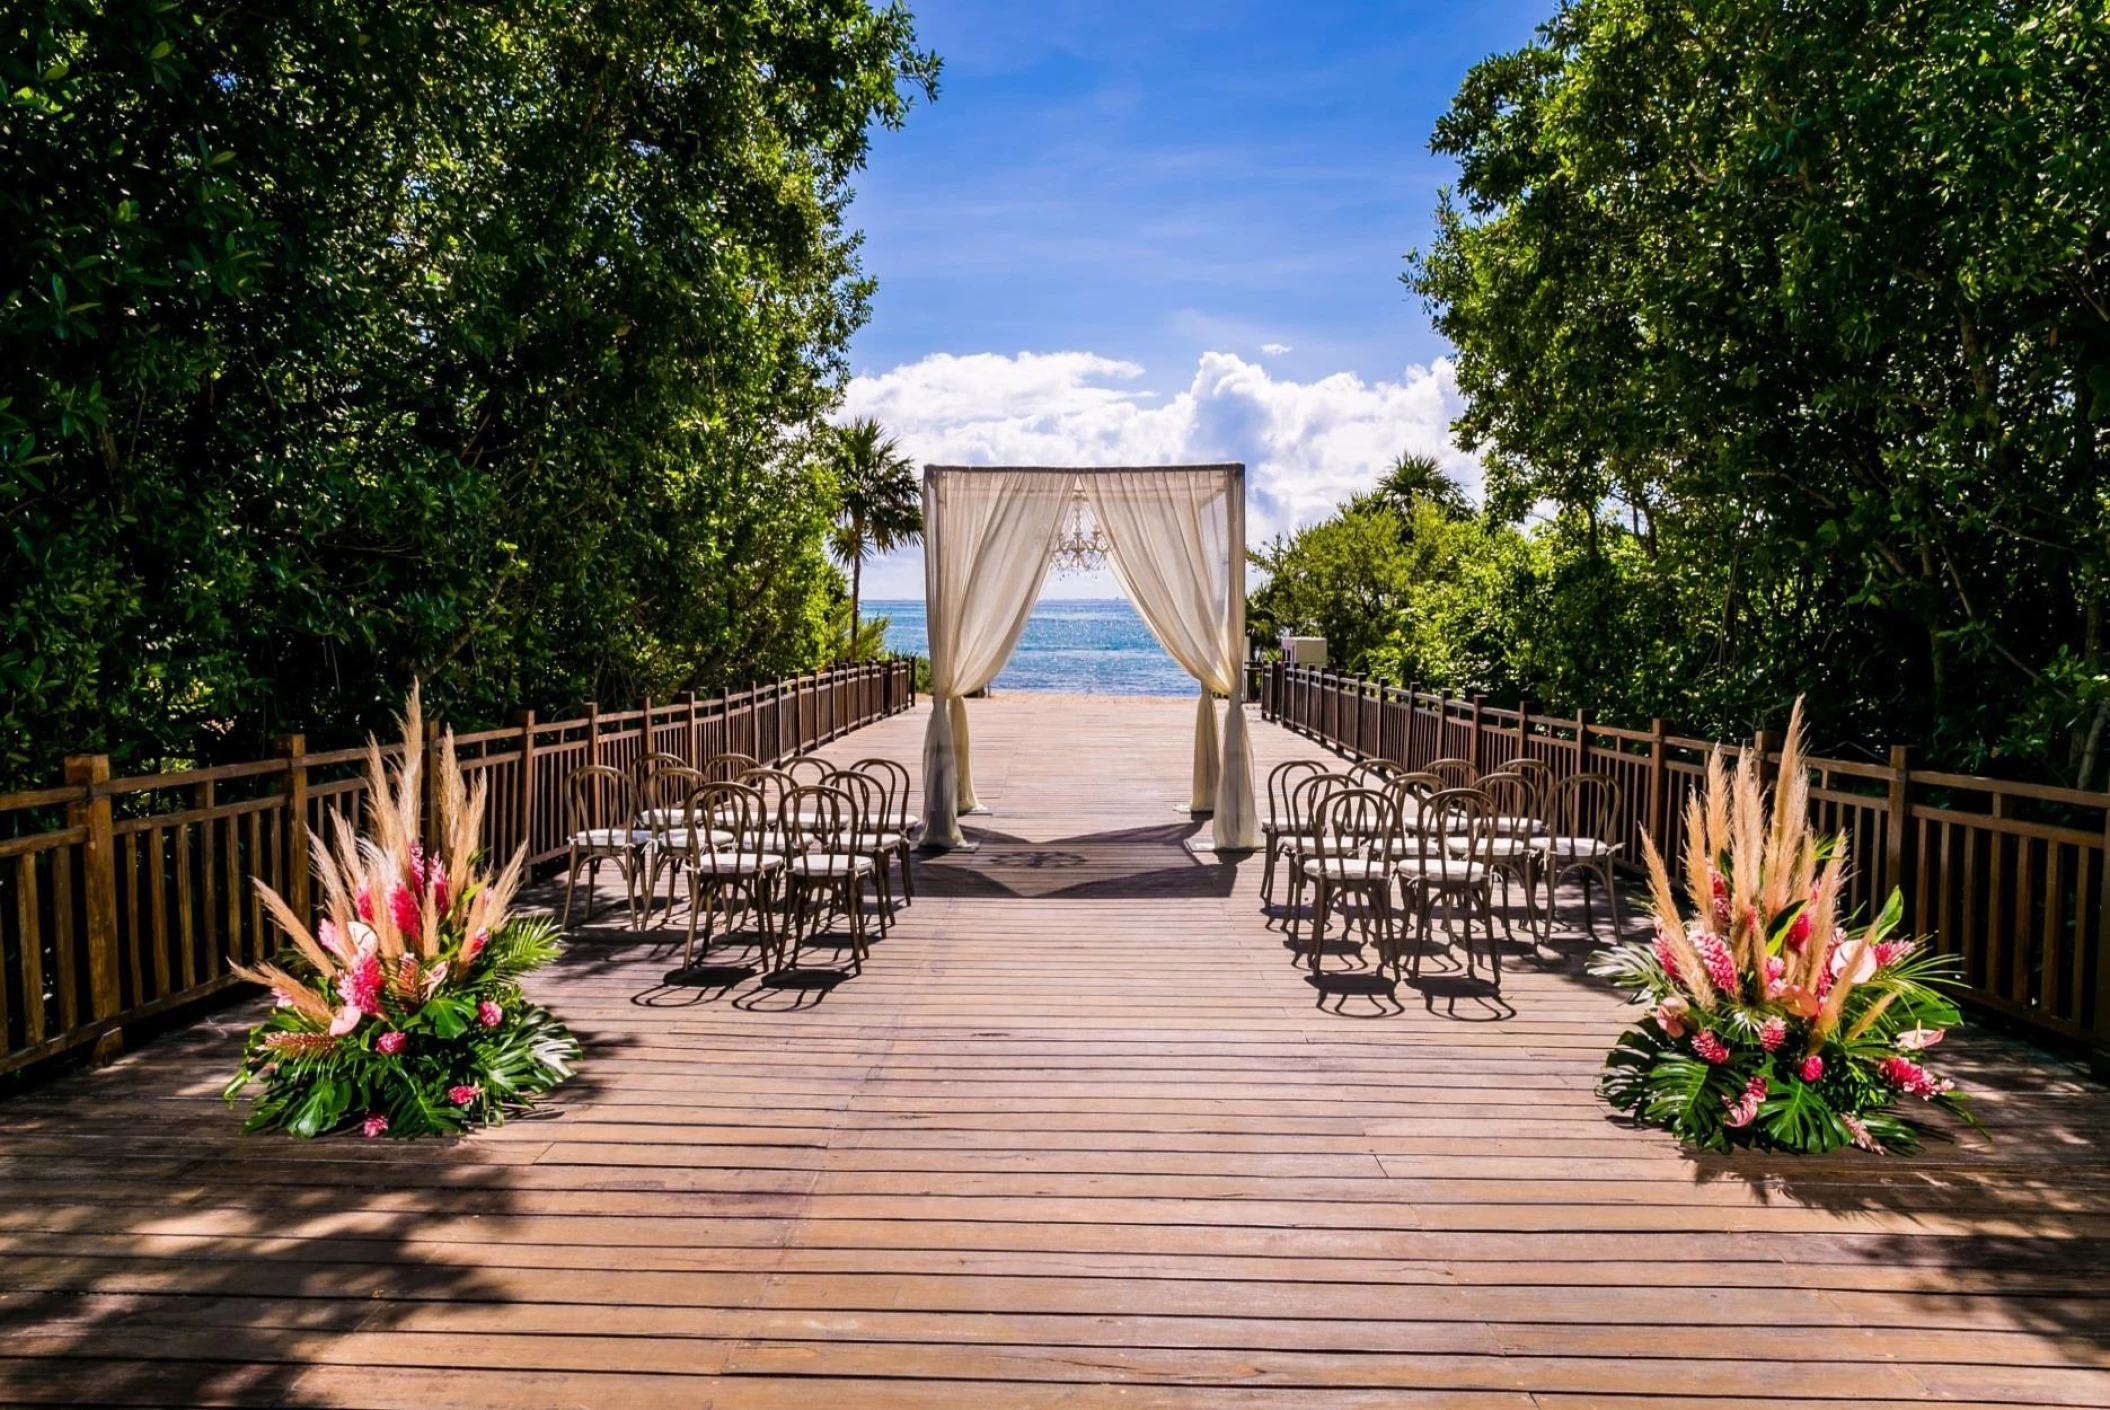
[[610, 839], [827, 864], [737, 863], [1578, 847], [681, 839], [1346, 868]]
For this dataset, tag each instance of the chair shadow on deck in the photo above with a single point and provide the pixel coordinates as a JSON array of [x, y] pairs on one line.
[[1121, 865], [156, 1255]]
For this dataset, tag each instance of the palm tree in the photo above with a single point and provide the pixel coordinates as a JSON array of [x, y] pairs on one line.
[[881, 502], [1416, 477]]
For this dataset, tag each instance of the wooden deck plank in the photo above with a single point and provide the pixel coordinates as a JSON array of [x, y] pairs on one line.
[[1082, 1133]]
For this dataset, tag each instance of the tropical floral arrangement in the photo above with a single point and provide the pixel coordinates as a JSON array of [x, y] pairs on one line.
[[1774, 1022], [408, 1019]]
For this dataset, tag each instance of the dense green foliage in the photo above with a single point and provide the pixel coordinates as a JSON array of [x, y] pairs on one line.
[[347, 342], [1797, 318]]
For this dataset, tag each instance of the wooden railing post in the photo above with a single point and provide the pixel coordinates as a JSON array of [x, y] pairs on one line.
[[99, 886], [1658, 776], [1761, 746], [1473, 745], [1582, 741], [1524, 728], [593, 731], [646, 743], [2099, 1045], [695, 751], [525, 720], [299, 874], [1899, 825]]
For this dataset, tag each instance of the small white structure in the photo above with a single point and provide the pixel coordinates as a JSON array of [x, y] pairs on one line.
[[1304, 651]]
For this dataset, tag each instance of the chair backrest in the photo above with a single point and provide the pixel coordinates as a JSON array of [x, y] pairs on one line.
[[1455, 773], [806, 769], [826, 815], [1457, 834], [1410, 795], [1283, 778], [869, 796], [1515, 797], [647, 765], [1585, 805], [775, 786], [1375, 773], [666, 789], [729, 768], [600, 796], [895, 777], [1368, 816], [1309, 796], [728, 809]]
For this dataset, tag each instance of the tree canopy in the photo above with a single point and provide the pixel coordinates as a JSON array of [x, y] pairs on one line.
[[1797, 316], [343, 342]]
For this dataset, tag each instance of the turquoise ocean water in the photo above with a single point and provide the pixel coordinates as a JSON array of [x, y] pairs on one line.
[[1087, 648]]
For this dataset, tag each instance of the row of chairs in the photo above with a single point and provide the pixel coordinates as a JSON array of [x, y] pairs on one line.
[[793, 845], [1439, 836]]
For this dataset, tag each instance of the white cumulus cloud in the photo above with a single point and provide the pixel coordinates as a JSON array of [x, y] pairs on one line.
[[1306, 445], [1275, 349]]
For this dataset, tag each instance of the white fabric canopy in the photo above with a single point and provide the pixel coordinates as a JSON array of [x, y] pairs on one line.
[[1176, 542]]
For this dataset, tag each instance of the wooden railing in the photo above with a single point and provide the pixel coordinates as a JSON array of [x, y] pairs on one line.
[[123, 898], [2008, 877]]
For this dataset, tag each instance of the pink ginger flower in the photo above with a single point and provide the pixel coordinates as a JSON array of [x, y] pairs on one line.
[[1743, 1109], [374, 1125], [405, 909], [1721, 899], [346, 1020], [1799, 931], [1914, 1040], [1664, 957], [1671, 1015], [364, 904], [1863, 1137], [362, 983], [463, 1095], [474, 946], [392, 1042], [1711, 1047], [1721, 968], [1909, 1077], [1889, 952], [1812, 1068], [1772, 1033], [1776, 980], [489, 1014]]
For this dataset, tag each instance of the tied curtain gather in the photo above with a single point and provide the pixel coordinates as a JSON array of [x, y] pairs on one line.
[[1176, 542]]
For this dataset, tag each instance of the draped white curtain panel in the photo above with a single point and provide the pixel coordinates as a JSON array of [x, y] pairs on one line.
[[1176, 543]]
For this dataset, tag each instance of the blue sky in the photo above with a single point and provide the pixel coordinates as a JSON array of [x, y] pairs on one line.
[[1141, 188]]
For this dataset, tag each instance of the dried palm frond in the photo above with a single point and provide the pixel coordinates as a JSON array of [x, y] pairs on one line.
[[302, 999]]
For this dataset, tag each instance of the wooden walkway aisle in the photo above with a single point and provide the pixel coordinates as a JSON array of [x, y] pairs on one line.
[[1081, 1134]]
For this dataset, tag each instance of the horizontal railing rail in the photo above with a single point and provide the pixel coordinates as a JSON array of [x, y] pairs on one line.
[[123, 898], [2009, 877]]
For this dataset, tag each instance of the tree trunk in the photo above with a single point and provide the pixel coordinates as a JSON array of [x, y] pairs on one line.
[[857, 573]]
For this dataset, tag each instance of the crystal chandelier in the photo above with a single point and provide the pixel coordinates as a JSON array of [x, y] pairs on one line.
[[1081, 547]]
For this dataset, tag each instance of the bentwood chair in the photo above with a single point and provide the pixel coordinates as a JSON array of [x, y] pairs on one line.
[[1514, 850], [601, 826], [830, 874], [872, 841], [1455, 773], [776, 788], [665, 816], [1375, 774], [725, 859], [1452, 863], [1582, 836], [1281, 780], [1303, 840], [1371, 819], [807, 770], [1539, 772], [895, 778], [729, 768]]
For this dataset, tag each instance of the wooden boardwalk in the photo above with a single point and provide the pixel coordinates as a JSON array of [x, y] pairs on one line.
[[1080, 1134]]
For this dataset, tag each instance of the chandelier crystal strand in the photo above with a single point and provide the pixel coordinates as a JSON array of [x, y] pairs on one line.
[[1081, 547]]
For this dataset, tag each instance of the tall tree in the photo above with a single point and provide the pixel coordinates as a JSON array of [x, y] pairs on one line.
[[881, 501], [343, 341], [1816, 299]]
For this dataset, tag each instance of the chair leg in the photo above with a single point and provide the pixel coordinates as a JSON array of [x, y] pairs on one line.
[[908, 878], [1322, 905], [571, 883], [1267, 876], [858, 945]]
